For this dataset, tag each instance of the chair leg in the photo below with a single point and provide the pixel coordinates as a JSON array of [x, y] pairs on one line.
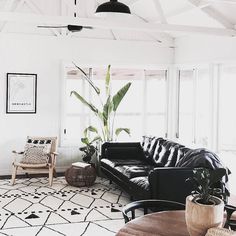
[[50, 176], [13, 177], [54, 173]]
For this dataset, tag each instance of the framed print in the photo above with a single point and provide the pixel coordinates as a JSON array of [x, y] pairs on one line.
[[21, 93]]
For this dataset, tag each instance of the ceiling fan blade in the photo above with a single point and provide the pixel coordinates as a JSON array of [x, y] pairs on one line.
[[88, 27], [72, 28], [51, 26]]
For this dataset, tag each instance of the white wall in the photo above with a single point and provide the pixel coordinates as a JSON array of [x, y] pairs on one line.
[[205, 49], [43, 56]]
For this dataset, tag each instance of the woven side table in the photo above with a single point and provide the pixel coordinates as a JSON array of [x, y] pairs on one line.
[[80, 174]]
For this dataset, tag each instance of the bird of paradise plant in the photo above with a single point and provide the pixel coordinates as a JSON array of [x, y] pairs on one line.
[[106, 113]]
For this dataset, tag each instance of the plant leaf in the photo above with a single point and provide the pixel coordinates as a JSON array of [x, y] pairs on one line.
[[101, 116], [83, 149], [107, 109], [91, 106], [217, 175], [117, 98], [85, 141], [97, 138], [91, 129], [107, 81], [119, 130], [97, 90]]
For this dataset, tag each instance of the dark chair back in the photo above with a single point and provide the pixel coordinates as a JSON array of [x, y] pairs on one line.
[[149, 206], [230, 222]]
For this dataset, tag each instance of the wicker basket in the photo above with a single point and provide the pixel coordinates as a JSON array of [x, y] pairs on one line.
[[220, 232], [80, 177]]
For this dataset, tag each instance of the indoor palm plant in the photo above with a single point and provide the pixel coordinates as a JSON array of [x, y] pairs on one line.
[[204, 208], [105, 114]]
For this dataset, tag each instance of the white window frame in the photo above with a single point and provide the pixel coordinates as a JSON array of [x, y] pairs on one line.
[[220, 68], [195, 69], [64, 68]]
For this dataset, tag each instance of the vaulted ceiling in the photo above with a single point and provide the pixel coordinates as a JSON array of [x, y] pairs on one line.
[[151, 20]]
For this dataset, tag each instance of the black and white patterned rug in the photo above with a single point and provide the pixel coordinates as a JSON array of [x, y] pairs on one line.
[[31, 207]]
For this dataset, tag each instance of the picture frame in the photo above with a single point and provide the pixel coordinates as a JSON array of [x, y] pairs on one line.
[[21, 94]]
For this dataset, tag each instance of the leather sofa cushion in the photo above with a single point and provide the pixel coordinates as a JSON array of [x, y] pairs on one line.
[[154, 153], [131, 171], [182, 151], [146, 142], [172, 158], [161, 155], [149, 151], [166, 153], [122, 153], [120, 162], [141, 183]]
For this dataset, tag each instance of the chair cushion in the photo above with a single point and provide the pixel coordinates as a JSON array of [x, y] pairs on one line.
[[46, 143], [35, 155]]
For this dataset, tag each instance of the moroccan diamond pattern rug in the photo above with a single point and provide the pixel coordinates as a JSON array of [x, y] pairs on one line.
[[31, 207]]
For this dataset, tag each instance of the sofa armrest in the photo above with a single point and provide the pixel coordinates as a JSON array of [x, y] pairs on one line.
[[168, 183], [121, 150]]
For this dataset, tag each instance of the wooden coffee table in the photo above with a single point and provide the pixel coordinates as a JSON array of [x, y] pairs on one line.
[[167, 223]]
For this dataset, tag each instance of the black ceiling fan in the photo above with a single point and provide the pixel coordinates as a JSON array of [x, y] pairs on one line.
[[71, 28]]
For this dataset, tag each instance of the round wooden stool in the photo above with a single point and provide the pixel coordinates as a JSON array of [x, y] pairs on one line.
[[80, 174]]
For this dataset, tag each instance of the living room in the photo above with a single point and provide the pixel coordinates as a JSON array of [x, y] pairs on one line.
[[179, 57]]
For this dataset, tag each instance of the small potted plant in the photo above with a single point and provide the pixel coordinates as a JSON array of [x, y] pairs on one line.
[[205, 207], [90, 144]]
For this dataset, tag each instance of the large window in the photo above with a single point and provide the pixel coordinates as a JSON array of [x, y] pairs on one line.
[[143, 109], [130, 111]]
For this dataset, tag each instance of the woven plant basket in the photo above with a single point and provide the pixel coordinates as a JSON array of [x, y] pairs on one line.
[[80, 177], [220, 232]]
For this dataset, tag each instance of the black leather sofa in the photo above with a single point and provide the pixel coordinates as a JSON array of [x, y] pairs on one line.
[[156, 168]]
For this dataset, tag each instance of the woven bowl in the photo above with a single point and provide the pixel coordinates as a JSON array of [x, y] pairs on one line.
[[220, 232]]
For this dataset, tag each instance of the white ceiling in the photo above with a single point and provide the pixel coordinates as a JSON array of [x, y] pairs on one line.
[[151, 20]]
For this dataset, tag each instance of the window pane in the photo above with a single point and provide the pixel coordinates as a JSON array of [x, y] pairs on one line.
[[99, 75], [156, 90], [134, 123], [130, 109], [156, 125], [186, 93], [76, 82], [133, 100], [203, 108], [227, 120]]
